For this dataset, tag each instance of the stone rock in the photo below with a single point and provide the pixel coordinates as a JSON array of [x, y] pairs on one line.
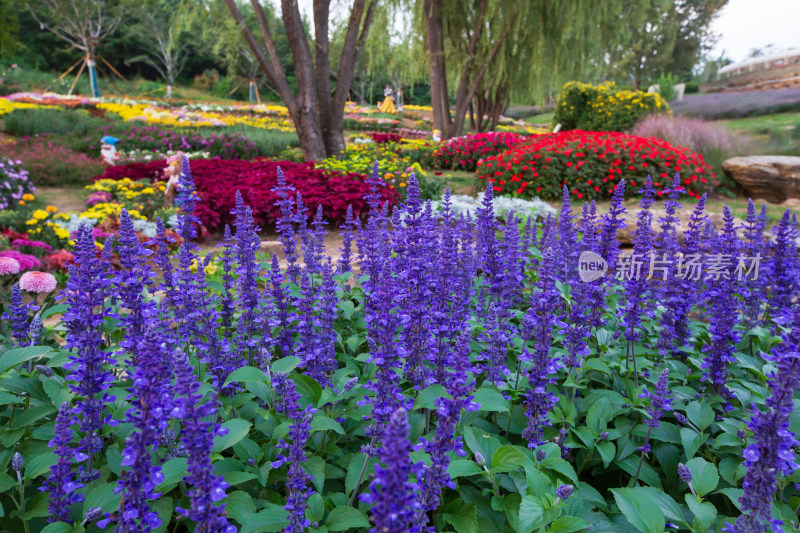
[[774, 178], [791, 203]]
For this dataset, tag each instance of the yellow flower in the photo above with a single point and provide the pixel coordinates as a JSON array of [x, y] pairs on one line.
[[402, 184], [60, 231], [51, 208], [40, 214], [28, 197], [22, 202], [31, 222]]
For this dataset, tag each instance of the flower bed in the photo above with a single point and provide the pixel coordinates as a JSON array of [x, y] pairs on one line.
[[217, 182], [591, 163], [471, 381], [463, 153], [50, 163]]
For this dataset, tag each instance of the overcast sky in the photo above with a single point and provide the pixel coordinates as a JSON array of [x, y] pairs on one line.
[[747, 24]]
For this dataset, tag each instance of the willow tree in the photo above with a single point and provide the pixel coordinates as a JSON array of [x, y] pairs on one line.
[[316, 110], [492, 47], [83, 24]]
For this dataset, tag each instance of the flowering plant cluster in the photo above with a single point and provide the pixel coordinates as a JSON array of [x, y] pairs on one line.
[[463, 153], [448, 373], [14, 184], [218, 181], [583, 106], [591, 163], [157, 140], [51, 163]]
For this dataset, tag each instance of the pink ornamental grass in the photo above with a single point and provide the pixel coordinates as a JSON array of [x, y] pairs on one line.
[[36, 281], [8, 265]]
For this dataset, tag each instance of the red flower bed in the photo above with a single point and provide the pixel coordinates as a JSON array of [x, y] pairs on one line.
[[591, 163], [383, 138], [463, 153], [217, 182]]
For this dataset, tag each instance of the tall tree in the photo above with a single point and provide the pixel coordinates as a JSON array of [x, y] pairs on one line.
[[495, 48], [160, 35], [81, 23], [669, 36], [315, 109]]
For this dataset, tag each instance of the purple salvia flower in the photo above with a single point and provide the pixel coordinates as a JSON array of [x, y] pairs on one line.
[[186, 199], [62, 485], [86, 292], [511, 266], [247, 242], [486, 246], [297, 479], [610, 223], [346, 252], [448, 414], [150, 404], [660, 399], [781, 267], [280, 294], [724, 307], [564, 491], [754, 247], [539, 321], [132, 282], [197, 437], [228, 255], [17, 315], [285, 223], [495, 337], [394, 504], [669, 290], [567, 250], [772, 448], [162, 259]]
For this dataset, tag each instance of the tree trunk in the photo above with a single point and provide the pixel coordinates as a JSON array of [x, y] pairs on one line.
[[91, 66], [435, 29]]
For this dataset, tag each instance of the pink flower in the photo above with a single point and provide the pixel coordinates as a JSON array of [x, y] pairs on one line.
[[35, 281], [26, 261], [8, 265]]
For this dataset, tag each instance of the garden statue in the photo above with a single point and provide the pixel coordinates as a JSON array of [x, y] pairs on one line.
[[437, 136], [108, 150], [387, 106], [172, 172]]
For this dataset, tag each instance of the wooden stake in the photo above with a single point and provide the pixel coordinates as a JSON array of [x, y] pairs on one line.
[[78, 75]]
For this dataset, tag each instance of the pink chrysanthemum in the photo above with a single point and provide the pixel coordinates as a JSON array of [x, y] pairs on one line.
[[8, 265], [35, 281]]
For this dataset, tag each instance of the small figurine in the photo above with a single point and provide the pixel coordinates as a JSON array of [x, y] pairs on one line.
[[437, 136], [108, 150], [172, 173], [387, 106]]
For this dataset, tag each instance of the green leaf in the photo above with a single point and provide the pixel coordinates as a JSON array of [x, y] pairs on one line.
[[704, 476], [344, 518], [640, 510], [271, 519], [247, 373], [323, 423], [426, 398], [16, 356], [506, 459], [60, 527], [29, 416], [103, 497], [700, 414], [316, 467], [691, 441], [347, 307], [598, 416], [704, 513], [38, 465], [607, 451], [239, 506], [462, 468], [164, 506], [533, 515], [236, 477], [355, 469], [562, 467], [568, 524], [491, 400], [466, 521], [285, 365], [665, 502], [734, 495], [237, 430]]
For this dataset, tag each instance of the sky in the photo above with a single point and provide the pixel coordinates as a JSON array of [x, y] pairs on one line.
[[746, 24]]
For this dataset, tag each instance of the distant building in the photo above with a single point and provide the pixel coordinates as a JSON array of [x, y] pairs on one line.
[[762, 63]]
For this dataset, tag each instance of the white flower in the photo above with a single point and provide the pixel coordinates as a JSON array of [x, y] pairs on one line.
[[462, 204]]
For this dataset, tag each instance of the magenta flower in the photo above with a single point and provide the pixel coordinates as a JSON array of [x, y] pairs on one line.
[[8, 265]]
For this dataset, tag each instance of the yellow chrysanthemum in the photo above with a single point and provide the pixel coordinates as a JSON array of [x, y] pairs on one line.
[[51, 208], [28, 197], [40, 214]]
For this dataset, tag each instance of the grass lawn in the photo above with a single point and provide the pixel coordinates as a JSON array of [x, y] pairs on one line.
[[459, 181], [544, 118], [764, 124]]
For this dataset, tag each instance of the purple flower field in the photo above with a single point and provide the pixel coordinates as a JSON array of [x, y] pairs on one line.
[[444, 373], [737, 104]]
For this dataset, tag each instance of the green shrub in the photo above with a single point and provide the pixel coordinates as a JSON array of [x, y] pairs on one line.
[[269, 143], [27, 122], [666, 86], [691, 87], [583, 106]]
